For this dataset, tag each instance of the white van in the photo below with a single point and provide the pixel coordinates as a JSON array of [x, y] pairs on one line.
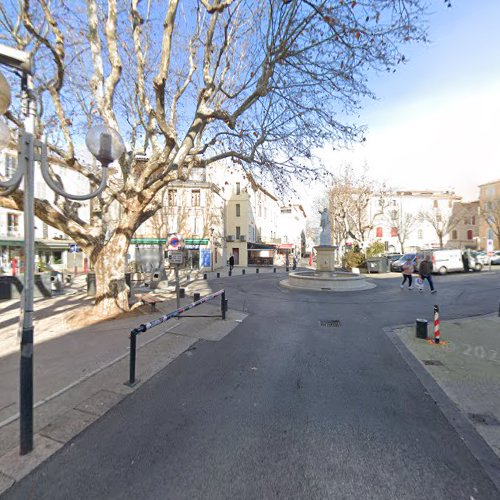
[[446, 261]]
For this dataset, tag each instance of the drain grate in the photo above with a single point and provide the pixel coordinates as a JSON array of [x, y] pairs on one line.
[[432, 362], [484, 418], [330, 323]]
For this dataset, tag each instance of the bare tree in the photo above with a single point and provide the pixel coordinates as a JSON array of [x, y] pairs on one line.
[[403, 224], [351, 205], [490, 212], [442, 222], [261, 82]]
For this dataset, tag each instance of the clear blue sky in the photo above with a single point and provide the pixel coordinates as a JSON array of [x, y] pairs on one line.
[[436, 123]]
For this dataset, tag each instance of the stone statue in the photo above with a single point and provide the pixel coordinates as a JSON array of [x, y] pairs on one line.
[[325, 237]]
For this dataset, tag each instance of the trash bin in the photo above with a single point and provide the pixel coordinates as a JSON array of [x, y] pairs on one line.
[[377, 265], [421, 328], [90, 284]]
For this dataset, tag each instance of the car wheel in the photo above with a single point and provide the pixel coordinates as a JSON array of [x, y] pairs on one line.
[[443, 270], [478, 267]]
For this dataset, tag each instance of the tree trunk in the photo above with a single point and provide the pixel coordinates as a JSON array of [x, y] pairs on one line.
[[109, 265]]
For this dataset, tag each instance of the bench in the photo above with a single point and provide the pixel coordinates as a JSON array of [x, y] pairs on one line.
[[149, 300]]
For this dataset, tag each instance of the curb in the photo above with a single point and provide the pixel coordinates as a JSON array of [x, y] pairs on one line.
[[474, 442]]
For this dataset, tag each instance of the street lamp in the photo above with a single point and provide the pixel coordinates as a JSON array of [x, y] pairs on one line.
[[105, 144]]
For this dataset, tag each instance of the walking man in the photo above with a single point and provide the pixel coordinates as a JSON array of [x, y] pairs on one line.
[[408, 269], [425, 271], [231, 263]]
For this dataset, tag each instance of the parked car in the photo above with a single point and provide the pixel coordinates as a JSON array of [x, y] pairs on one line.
[[393, 257], [481, 257], [446, 260], [397, 265], [495, 259]]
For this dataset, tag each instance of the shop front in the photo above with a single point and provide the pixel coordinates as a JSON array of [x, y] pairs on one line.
[[260, 254], [197, 253]]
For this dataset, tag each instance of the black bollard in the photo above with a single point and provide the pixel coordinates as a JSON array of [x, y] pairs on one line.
[[205, 276], [182, 293], [230, 272], [218, 275], [274, 269], [243, 272], [196, 296], [257, 271]]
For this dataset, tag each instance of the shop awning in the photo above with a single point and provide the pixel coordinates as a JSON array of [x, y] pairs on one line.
[[260, 246], [196, 241], [285, 246]]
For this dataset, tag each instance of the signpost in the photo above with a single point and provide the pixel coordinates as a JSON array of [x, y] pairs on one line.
[[489, 249], [175, 257], [74, 249]]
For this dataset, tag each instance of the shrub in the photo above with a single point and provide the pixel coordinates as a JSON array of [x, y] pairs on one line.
[[376, 248], [353, 259]]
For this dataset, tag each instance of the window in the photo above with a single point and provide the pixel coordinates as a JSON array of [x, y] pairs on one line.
[[195, 198], [435, 204], [394, 203], [238, 232], [394, 231], [9, 162], [238, 210], [12, 224], [394, 214], [420, 234], [172, 197], [490, 234], [454, 235], [379, 232], [469, 234], [238, 188]]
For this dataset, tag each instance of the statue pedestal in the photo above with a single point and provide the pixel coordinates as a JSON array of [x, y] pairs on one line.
[[325, 258]]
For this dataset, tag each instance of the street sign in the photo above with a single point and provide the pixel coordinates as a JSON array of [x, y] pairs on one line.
[[174, 242], [175, 256], [73, 248], [489, 247]]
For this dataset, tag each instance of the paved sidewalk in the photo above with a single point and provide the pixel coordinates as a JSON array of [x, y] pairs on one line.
[[79, 373], [466, 365]]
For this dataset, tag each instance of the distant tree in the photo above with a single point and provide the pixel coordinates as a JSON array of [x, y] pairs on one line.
[[402, 224], [350, 202], [442, 222]]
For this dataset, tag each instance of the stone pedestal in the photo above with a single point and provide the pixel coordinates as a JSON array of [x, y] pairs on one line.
[[325, 258]]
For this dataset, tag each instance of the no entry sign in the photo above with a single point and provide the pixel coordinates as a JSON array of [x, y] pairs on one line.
[[174, 242]]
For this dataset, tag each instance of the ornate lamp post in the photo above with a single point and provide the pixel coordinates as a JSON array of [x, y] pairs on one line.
[[105, 144]]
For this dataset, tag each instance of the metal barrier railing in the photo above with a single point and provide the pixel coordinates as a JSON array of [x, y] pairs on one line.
[[174, 314]]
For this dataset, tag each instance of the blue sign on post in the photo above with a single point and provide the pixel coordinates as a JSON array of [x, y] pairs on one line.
[[73, 248], [205, 257]]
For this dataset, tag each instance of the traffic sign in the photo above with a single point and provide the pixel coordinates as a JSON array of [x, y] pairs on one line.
[[73, 248], [489, 245], [175, 256], [174, 242]]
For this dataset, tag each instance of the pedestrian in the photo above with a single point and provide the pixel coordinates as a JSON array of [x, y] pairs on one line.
[[425, 271], [294, 260], [231, 263], [465, 261], [408, 269]]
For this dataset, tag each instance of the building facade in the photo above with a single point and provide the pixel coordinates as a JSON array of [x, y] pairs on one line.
[[489, 209], [410, 221], [51, 245], [466, 232]]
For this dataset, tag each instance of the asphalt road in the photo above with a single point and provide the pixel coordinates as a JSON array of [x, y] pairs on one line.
[[284, 408]]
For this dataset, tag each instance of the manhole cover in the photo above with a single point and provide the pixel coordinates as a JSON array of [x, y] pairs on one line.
[[484, 418], [432, 362], [330, 323]]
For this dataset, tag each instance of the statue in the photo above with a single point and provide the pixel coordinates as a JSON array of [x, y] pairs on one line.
[[325, 238]]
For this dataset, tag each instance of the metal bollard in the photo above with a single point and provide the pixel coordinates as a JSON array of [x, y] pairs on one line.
[[243, 272], [257, 271], [205, 276], [218, 275], [230, 272], [287, 269], [131, 377], [223, 305], [196, 296], [274, 269], [182, 292]]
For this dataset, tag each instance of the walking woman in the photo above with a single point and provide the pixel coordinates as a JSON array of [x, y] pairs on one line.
[[408, 269]]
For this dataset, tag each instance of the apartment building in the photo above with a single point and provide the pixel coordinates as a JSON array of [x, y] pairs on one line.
[[51, 245], [193, 209], [413, 220], [489, 209], [292, 229], [465, 233]]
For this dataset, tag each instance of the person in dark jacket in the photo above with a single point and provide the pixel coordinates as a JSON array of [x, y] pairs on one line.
[[425, 271], [231, 263]]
